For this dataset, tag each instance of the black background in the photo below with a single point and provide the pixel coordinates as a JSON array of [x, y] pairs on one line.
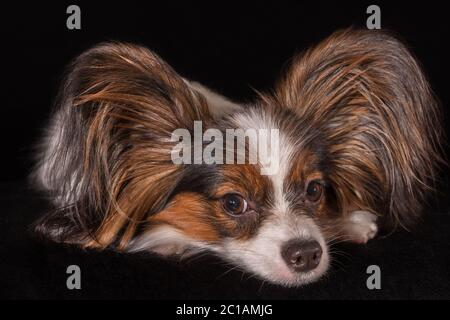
[[231, 48]]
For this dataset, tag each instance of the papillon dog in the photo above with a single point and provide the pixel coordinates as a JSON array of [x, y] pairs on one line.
[[359, 139]]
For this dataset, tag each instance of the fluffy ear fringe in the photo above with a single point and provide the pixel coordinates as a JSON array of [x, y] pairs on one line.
[[366, 94], [106, 159]]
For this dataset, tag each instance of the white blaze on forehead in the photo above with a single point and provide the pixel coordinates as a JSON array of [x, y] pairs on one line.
[[255, 119]]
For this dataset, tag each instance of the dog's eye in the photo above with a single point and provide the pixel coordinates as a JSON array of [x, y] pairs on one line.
[[234, 204], [314, 191]]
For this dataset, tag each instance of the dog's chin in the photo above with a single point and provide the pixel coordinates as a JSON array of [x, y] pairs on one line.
[[273, 269], [275, 272], [280, 274], [289, 278]]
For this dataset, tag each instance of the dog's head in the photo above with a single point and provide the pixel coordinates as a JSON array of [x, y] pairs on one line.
[[345, 115]]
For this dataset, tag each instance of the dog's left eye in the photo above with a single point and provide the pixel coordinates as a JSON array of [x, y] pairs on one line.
[[314, 191], [234, 204]]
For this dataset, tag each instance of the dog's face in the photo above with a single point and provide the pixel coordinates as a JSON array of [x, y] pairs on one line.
[[271, 225]]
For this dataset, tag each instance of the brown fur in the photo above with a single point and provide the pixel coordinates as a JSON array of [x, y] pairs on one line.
[[367, 95]]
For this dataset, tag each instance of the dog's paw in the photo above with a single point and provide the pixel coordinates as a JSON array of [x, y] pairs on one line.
[[361, 226]]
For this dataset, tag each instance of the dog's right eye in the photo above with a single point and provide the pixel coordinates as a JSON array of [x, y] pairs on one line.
[[234, 204]]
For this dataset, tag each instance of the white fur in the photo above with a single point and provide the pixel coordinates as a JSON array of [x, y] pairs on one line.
[[167, 240], [218, 104], [361, 226], [48, 172], [53, 136]]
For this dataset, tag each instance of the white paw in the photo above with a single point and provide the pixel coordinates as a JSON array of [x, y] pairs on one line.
[[361, 226]]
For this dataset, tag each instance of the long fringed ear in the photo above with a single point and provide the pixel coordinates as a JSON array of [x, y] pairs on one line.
[[107, 160], [367, 96]]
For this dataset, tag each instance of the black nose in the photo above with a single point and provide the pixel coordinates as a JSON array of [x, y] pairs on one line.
[[301, 255]]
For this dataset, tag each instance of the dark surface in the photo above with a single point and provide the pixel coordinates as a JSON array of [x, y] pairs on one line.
[[413, 266], [231, 49]]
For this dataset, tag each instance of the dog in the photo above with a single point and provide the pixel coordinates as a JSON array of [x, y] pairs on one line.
[[359, 139]]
